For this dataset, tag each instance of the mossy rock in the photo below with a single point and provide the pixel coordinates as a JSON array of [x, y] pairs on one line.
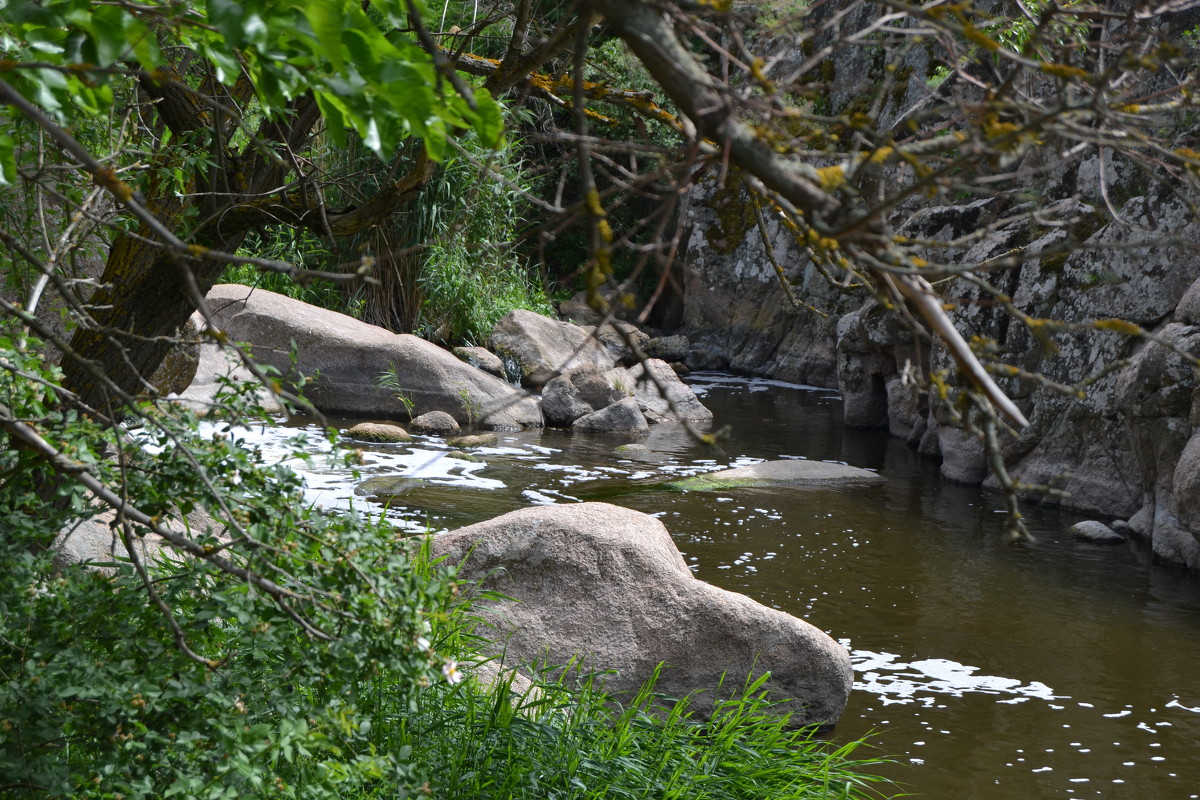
[[474, 440], [386, 486], [379, 432], [778, 473]]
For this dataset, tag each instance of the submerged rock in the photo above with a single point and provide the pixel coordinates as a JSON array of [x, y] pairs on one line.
[[779, 473], [607, 584], [475, 440], [638, 452], [387, 486], [1097, 532]]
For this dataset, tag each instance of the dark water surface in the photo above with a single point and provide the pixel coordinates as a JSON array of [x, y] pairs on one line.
[[990, 671]]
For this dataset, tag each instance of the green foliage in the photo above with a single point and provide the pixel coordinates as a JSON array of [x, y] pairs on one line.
[[303, 249], [99, 698], [1048, 25], [366, 75], [470, 273], [557, 740], [390, 380]]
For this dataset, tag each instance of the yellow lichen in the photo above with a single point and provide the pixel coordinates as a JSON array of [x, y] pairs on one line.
[[1118, 325], [1065, 71], [880, 156], [831, 178]]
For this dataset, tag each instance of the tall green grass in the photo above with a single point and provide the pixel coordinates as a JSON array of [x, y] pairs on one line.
[[560, 740]]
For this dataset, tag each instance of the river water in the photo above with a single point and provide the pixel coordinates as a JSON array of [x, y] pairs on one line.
[[987, 670]]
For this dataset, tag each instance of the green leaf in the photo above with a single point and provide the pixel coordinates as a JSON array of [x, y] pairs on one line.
[[489, 122], [8, 160], [142, 42], [226, 16], [334, 112], [107, 27], [325, 18]]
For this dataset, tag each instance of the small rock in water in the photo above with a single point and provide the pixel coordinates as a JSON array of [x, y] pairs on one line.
[[435, 423], [779, 473], [378, 432], [476, 440], [1093, 531], [638, 452], [463, 455]]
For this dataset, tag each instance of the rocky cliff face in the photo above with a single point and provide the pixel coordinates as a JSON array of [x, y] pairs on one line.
[[1123, 442]]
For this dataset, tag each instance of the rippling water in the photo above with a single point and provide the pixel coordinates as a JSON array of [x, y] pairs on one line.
[[991, 671]]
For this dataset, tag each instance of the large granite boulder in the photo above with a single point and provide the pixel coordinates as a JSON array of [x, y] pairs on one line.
[[345, 357], [216, 367], [543, 348], [96, 544], [608, 584]]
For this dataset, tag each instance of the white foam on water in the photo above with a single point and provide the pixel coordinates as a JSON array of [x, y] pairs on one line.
[[896, 681]]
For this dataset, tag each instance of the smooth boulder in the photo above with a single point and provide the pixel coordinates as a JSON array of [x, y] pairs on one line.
[[435, 423], [381, 432], [345, 358], [673, 349], [608, 584], [780, 473], [617, 336], [543, 348]]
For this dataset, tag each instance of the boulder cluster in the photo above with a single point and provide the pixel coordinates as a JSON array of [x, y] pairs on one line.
[[592, 378]]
